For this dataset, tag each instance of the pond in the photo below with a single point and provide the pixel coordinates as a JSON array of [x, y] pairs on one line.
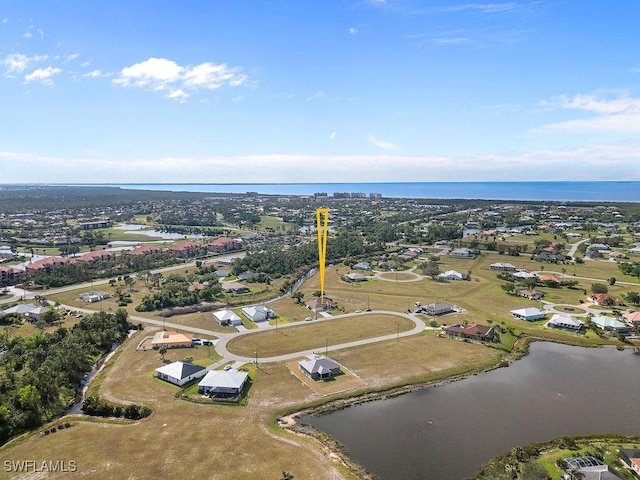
[[449, 431]]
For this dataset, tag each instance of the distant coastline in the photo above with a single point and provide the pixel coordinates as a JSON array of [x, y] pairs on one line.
[[565, 191]]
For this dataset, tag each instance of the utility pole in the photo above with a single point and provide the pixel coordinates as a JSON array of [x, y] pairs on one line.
[[256, 356], [326, 346]]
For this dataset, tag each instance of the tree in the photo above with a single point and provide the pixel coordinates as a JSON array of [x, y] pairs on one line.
[[162, 350], [599, 288], [286, 476], [633, 298], [430, 269], [297, 296], [612, 281]]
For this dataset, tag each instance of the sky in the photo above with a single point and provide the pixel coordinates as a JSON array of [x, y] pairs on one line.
[[314, 91]]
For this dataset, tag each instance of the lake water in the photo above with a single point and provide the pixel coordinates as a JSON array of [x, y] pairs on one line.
[[447, 432]]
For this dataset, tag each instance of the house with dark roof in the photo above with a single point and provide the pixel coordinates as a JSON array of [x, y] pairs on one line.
[[318, 367], [318, 304], [354, 277], [234, 287], [530, 293], [472, 331], [362, 266], [180, 372], [591, 468]]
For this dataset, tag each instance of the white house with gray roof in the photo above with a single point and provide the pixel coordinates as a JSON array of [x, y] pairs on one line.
[[258, 313], [530, 314], [180, 372], [223, 383], [227, 317], [318, 367]]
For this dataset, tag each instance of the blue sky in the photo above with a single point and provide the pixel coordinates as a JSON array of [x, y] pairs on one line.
[[318, 91]]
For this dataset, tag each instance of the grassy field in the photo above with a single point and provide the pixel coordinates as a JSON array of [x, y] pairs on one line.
[[315, 335], [229, 442]]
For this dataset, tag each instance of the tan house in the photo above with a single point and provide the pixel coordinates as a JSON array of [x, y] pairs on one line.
[[172, 340]]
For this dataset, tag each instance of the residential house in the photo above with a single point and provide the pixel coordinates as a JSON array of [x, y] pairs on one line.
[[319, 367], [452, 275], [634, 250], [180, 372], [529, 293], [610, 324], [605, 300], [222, 273], [188, 249], [362, 266], [505, 267], [258, 313], [19, 309], [565, 322], [462, 253], [523, 275], [223, 383], [631, 458], [234, 287], [354, 277], [317, 304], [438, 308], [92, 297], [473, 331], [591, 468], [227, 317], [529, 314], [144, 250], [616, 255], [550, 278], [632, 317], [172, 340], [35, 314]]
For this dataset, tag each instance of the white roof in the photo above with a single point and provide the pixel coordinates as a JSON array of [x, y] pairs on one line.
[[565, 320], [524, 275], [224, 379], [251, 311], [603, 322], [528, 312], [451, 273], [223, 315], [19, 309], [179, 369]]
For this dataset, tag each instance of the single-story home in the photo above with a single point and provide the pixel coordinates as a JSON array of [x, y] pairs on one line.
[[505, 267], [634, 250], [473, 331], [354, 277], [523, 275], [223, 383], [362, 266], [35, 314], [258, 313], [591, 468], [631, 458], [462, 253], [319, 367], [316, 304], [172, 340], [529, 314], [234, 287], [92, 297], [452, 275], [565, 322], [610, 324], [19, 309], [529, 293], [180, 372], [227, 317], [438, 308], [550, 278], [605, 300], [632, 317]]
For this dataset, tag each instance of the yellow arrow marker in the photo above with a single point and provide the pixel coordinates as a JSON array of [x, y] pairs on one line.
[[322, 227]]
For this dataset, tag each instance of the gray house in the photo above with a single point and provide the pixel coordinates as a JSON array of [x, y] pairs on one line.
[[438, 308], [223, 383], [318, 367], [180, 372]]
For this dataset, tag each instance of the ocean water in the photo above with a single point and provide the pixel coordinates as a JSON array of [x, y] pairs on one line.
[[537, 191]]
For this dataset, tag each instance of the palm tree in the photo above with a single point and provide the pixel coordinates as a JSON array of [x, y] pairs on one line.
[[286, 476], [162, 350]]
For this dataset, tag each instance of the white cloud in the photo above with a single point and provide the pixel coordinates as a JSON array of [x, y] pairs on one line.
[[27, 35], [41, 32], [621, 114], [5, 20], [333, 135], [353, 30], [382, 144], [85, 64], [95, 74], [43, 75], [72, 56], [161, 74], [178, 94], [17, 62], [239, 98]]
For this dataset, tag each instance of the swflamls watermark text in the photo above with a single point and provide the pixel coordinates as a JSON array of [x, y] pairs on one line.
[[51, 466]]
